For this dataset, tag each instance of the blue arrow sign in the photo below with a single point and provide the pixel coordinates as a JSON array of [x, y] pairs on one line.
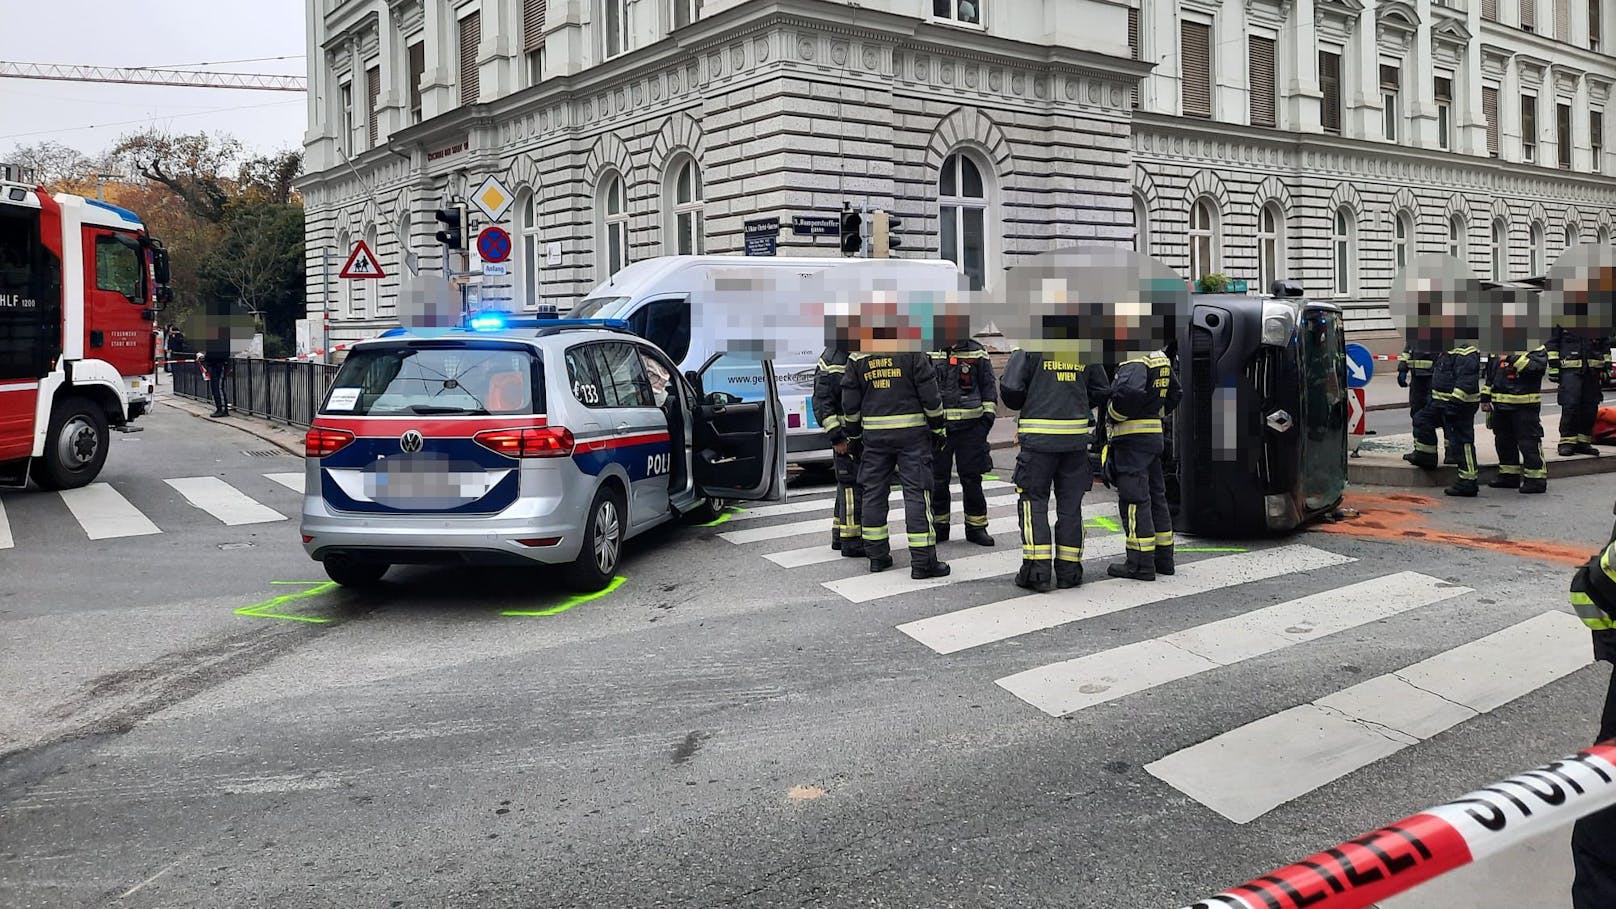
[[1360, 366]]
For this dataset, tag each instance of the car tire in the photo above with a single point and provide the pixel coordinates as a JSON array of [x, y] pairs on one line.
[[356, 573], [602, 547], [75, 445], [708, 511]]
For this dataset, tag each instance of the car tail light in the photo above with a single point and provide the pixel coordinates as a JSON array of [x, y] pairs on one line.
[[540, 541], [317, 443], [540, 442]]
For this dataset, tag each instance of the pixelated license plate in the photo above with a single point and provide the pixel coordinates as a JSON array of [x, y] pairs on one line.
[[425, 482]]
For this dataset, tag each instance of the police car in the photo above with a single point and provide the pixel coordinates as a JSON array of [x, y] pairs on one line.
[[521, 442]]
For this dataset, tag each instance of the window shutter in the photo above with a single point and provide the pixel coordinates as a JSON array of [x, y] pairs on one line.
[[417, 70], [1595, 25], [471, 35], [1196, 38], [1133, 50], [1390, 77], [533, 24], [1330, 84], [1596, 129], [1262, 81], [1489, 9], [1529, 14], [1562, 20], [1489, 110], [373, 92]]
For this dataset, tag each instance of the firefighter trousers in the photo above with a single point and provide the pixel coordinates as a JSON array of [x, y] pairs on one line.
[[909, 454], [1147, 521], [1593, 839], [1518, 436], [1459, 425], [1579, 399], [1071, 476], [1419, 394], [1427, 420], [846, 523], [967, 451]]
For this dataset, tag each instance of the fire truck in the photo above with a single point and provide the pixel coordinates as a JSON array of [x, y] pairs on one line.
[[81, 283]]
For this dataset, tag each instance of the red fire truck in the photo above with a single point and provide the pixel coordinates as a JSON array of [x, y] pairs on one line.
[[80, 286]]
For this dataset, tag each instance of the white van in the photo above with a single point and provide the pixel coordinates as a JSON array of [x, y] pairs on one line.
[[655, 297]]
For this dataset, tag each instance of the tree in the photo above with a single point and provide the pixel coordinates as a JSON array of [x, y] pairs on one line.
[[53, 164], [258, 261], [192, 167]]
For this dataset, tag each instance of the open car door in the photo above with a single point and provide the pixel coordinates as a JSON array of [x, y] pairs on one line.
[[739, 445]]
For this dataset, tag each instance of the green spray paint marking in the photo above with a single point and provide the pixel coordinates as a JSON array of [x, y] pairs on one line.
[[1211, 549], [1103, 523], [263, 610], [990, 476], [728, 513], [570, 602]]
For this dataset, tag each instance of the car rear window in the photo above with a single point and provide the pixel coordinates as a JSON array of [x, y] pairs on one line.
[[448, 380]]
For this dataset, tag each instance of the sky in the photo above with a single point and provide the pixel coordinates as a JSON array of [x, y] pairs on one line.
[[153, 33]]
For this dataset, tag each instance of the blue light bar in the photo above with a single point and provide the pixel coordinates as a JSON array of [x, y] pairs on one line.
[[496, 321], [488, 321]]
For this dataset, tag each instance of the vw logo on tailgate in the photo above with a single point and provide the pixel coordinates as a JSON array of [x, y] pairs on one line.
[[411, 441]]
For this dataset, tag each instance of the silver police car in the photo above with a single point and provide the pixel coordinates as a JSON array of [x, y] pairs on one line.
[[522, 441]]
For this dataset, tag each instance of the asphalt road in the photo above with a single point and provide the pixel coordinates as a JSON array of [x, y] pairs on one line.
[[727, 729]]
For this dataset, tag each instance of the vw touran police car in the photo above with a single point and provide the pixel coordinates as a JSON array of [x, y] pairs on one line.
[[551, 442]]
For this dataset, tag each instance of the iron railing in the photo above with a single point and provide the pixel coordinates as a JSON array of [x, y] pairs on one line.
[[289, 391]]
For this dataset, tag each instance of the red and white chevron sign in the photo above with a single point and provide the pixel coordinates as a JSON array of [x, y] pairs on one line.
[[1361, 871]]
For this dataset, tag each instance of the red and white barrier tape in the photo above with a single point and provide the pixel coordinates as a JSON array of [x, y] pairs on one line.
[[1394, 859]]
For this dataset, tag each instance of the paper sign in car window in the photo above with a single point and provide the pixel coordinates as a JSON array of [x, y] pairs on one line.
[[343, 399]]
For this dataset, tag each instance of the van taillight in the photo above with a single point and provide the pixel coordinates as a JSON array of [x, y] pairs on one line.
[[317, 443], [541, 442]]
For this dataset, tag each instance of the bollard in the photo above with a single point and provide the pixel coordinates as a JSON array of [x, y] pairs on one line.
[[1397, 858]]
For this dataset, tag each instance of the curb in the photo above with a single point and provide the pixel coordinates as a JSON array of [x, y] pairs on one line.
[[272, 434], [1407, 475]]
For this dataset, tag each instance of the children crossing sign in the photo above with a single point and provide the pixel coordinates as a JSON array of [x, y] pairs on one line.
[[362, 264]]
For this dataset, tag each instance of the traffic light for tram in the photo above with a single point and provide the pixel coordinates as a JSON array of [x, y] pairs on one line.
[[453, 233], [852, 232], [884, 234]]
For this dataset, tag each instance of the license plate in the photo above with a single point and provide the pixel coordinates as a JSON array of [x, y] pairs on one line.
[[424, 481]]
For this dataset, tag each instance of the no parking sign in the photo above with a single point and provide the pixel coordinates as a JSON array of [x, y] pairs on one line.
[[494, 244]]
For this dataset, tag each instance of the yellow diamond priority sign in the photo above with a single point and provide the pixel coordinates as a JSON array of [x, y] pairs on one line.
[[492, 199]]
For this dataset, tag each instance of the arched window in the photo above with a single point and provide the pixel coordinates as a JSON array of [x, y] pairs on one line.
[[1604, 236], [1535, 259], [341, 302], [528, 223], [1343, 235], [1402, 239], [963, 204], [1204, 240], [1141, 225], [613, 226], [1573, 234], [1500, 249], [1270, 246], [683, 202], [1458, 245]]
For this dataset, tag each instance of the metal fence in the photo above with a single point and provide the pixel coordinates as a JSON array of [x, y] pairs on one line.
[[286, 390]]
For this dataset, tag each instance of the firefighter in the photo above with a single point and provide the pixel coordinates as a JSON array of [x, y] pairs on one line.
[[846, 528], [1577, 361], [970, 404], [1593, 839], [893, 419], [1513, 397], [1144, 391], [1055, 396], [1414, 374], [1455, 396]]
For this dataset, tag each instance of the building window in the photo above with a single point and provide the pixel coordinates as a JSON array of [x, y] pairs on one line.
[[1444, 112], [347, 118], [1528, 128], [1342, 235], [1539, 240], [527, 210], [967, 11], [616, 27], [1270, 246], [1500, 249], [1195, 39], [1264, 87], [1134, 52], [1562, 134], [1330, 85], [1529, 15], [417, 68], [1458, 247], [1141, 225], [1392, 111], [1573, 234], [1562, 20], [685, 12], [1489, 112], [1489, 10], [613, 209], [471, 35], [533, 14], [962, 211], [1604, 236], [1402, 239], [1204, 240], [1594, 24], [1596, 138], [684, 201], [373, 91]]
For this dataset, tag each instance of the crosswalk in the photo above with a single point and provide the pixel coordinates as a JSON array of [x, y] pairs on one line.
[[103, 511], [1242, 773]]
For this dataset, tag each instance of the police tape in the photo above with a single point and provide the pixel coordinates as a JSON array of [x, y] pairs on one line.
[[1357, 873]]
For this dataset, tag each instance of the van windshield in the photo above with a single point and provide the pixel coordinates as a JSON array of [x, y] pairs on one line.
[[597, 308], [405, 381]]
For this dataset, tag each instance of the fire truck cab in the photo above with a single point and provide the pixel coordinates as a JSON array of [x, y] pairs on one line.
[[81, 282]]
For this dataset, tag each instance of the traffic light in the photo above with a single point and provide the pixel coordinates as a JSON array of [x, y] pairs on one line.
[[852, 233], [884, 234], [453, 233]]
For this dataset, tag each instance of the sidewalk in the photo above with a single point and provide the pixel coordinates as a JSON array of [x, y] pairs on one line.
[[1380, 461], [288, 438]]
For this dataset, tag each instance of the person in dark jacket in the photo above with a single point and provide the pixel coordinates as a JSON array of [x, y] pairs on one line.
[[970, 405], [1512, 395], [1577, 361], [1593, 839], [1414, 374], [1456, 388], [1055, 394], [847, 526], [216, 361], [1145, 390]]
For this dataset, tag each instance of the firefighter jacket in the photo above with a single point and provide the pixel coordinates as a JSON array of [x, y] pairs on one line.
[[828, 394], [1593, 596], [1456, 376], [1419, 362], [890, 393], [1055, 398], [1145, 389], [1515, 380], [965, 379], [1577, 352]]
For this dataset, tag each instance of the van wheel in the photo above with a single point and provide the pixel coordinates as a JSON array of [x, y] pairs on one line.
[[597, 559], [357, 573], [75, 445]]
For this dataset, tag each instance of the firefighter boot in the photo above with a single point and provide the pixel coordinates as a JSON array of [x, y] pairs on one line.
[[1506, 481], [1034, 576], [1420, 459], [1164, 559], [880, 563], [1585, 448], [1461, 487], [941, 531], [977, 535], [836, 540], [1131, 572], [1068, 574], [1533, 486], [1566, 451], [923, 564], [853, 548]]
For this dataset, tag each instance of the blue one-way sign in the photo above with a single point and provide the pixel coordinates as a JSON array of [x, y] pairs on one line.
[[1360, 366]]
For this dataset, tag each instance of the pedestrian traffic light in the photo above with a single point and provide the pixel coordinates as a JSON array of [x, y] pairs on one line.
[[453, 233], [884, 234], [852, 233]]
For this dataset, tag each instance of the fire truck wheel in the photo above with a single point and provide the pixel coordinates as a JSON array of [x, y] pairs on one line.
[[75, 445], [351, 572]]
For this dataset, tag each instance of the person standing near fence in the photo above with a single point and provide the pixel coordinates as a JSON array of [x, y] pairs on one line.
[[215, 359]]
